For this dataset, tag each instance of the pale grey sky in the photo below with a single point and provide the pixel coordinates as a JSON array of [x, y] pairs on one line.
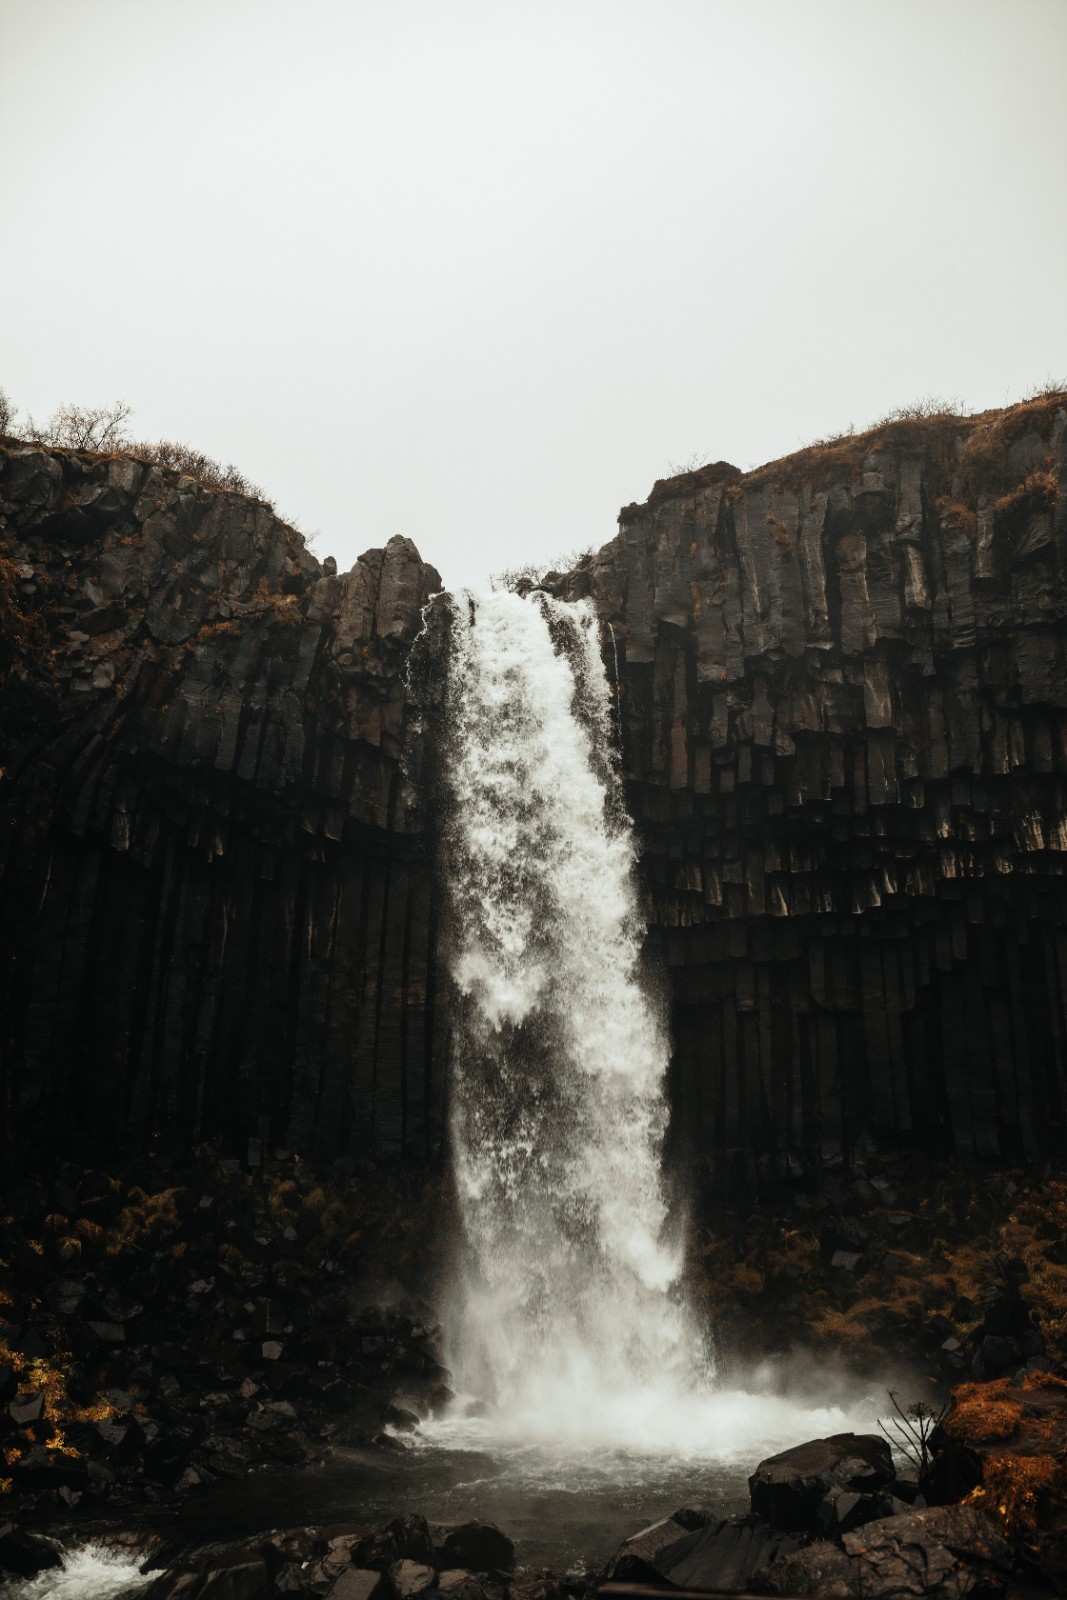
[[479, 272]]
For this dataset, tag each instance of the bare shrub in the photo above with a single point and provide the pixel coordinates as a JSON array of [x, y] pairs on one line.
[[519, 580], [196, 464], [71, 427]]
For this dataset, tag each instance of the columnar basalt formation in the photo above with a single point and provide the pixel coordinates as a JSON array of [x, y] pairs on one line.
[[843, 693], [218, 896], [843, 690]]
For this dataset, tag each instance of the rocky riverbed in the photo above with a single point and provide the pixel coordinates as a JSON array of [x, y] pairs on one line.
[[982, 1512], [204, 1351]]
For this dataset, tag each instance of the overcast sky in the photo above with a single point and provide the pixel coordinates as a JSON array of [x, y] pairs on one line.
[[479, 273]]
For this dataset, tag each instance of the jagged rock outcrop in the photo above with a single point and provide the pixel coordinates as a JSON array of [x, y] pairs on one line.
[[844, 701], [218, 894], [843, 695]]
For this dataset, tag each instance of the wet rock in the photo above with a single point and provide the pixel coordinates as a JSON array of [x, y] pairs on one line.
[[647, 1556], [945, 1552], [109, 1332], [729, 1555], [403, 1539], [65, 1296], [843, 1510], [479, 1546], [22, 1554], [410, 1578], [820, 1569], [788, 1489], [460, 1585], [26, 1408], [357, 1583]]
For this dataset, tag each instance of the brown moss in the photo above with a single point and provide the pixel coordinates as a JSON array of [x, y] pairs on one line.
[[984, 457], [218, 630], [145, 1221], [1037, 492], [983, 1413], [1017, 1490], [956, 515]]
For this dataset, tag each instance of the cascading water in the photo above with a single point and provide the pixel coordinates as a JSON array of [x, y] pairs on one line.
[[569, 1304], [568, 1323]]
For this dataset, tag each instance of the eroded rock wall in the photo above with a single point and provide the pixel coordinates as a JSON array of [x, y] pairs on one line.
[[843, 696], [219, 901], [843, 690]]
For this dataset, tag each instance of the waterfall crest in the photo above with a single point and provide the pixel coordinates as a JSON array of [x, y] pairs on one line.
[[568, 1303]]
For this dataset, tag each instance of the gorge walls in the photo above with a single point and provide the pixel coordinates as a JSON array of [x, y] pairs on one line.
[[844, 701], [843, 695], [218, 898]]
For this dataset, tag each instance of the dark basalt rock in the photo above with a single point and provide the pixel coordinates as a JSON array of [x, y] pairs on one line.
[[22, 1554], [942, 1553], [843, 701], [795, 1490], [723, 1554], [478, 1546]]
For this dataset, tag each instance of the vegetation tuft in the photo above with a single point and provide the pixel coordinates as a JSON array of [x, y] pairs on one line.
[[103, 430]]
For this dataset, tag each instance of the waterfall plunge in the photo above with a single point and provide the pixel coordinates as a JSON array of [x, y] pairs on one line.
[[569, 1318]]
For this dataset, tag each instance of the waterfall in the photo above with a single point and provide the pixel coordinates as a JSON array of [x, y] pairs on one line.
[[568, 1307]]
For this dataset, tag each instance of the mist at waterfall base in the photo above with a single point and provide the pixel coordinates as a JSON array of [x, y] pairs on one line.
[[573, 1343]]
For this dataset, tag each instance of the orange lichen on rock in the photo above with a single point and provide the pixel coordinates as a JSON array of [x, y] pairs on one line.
[[1018, 1489], [982, 1413]]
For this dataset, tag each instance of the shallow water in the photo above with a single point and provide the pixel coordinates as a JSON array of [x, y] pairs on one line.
[[561, 1500], [565, 1501]]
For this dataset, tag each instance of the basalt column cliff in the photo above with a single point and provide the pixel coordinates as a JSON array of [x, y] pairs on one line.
[[218, 902], [845, 728], [843, 694]]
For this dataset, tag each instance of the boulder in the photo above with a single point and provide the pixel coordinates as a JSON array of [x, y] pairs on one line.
[[459, 1584], [23, 1555], [648, 1556], [403, 1539], [410, 1578], [941, 1553], [788, 1489], [729, 1555], [721, 1554], [843, 1510], [357, 1583], [476, 1546]]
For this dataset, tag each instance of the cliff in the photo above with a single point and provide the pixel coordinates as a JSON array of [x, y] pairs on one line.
[[843, 690], [218, 895], [844, 697]]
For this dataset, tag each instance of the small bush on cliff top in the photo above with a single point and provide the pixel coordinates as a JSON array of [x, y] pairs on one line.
[[103, 430]]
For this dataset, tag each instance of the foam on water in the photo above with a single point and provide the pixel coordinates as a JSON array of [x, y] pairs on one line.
[[569, 1321], [91, 1571]]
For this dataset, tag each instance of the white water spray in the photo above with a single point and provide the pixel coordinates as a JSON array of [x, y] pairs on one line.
[[569, 1322], [92, 1571], [570, 1304]]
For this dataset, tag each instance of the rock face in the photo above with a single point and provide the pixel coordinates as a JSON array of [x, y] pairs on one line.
[[843, 691], [218, 898], [843, 696], [790, 1489]]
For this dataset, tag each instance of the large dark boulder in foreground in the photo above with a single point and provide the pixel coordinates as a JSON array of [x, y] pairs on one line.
[[790, 1489], [940, 1553], [725, 1554]]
